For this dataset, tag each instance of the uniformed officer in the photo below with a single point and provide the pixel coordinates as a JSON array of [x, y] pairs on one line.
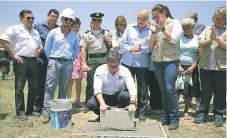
[[95, 43], [109, 87]]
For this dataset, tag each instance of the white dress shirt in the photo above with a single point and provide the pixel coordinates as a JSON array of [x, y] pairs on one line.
[[106, 83], [24, 42]]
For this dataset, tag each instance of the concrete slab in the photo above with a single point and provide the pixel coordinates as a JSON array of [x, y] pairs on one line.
[[143, 130], [117, 119]]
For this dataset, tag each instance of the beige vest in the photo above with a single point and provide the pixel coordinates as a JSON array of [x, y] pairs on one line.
[[94, 43], [219, 53], [163, 50]]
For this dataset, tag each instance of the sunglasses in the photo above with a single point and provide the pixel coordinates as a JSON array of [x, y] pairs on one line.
[[113, 66], [68, 19], [30, 18]]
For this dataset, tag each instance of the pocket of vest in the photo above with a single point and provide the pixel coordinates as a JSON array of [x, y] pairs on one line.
[[203, 61], [222, 62]]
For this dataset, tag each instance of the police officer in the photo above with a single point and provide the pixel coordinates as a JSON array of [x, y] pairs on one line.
[[109, 87], [95, 43]]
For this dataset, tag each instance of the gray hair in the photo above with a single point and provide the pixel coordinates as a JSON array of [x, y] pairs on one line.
[[145, 11], [188, 21], [113, 56], [193, 15], [222, 11]]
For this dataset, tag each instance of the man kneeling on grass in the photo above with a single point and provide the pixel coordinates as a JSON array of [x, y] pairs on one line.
[[109, 86]]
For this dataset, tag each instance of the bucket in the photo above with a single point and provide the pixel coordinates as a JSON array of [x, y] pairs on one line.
[[60, 113]]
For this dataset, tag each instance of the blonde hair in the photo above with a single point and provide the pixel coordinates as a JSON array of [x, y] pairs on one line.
[[222, 11], [188, 21]]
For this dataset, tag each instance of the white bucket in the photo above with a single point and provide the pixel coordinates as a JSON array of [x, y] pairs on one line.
[[60, 113]]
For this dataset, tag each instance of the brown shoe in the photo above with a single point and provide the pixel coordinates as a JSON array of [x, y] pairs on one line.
[[45, 119]]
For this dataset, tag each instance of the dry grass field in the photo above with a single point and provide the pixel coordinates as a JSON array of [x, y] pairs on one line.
[[10, 127]]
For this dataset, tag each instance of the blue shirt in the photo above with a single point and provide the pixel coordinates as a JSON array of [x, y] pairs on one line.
[[59, 45], [188, 50], [43, 30], [133, 36]]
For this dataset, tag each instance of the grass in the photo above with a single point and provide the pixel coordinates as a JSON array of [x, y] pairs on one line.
[[10, 127]]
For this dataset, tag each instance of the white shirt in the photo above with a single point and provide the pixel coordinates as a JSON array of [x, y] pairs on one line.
[[106, 83], [24, 42], [116, 41]]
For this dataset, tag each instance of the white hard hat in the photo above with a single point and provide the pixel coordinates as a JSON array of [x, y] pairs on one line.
[[67, 13]]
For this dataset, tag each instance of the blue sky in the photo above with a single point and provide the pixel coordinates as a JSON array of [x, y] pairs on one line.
[[83, 9]]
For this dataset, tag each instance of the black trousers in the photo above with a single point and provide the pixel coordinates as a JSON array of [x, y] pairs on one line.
[[141, 75], [155, 92], [213, 81], [28, 70], [120, 99], [93, 64], [42, 71]]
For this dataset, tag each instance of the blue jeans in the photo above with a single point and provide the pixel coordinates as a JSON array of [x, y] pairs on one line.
[[58, 73], [166, 74]]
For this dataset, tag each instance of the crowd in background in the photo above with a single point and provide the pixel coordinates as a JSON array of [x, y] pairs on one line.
[[167, 58]]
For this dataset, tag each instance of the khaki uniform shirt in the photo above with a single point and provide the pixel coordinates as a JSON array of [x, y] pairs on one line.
[[93, 41]]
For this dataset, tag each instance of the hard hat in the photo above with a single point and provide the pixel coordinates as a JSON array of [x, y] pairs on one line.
[[67, 13]]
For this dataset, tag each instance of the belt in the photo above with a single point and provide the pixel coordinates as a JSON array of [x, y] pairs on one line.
[[97, 55], [60, 59], [28, 58]]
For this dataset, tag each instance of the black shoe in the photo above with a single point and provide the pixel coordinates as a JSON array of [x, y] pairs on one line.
[[164, 122], [201, 118], [218, 120], [37, 114], [173, 126], [22, 116]]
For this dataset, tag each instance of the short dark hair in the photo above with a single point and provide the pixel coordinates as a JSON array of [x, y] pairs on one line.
[[113, 56], [54, 11], [23, 12], [76, 21]]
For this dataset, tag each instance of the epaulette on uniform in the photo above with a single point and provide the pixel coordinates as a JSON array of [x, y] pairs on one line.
[[87, 31]]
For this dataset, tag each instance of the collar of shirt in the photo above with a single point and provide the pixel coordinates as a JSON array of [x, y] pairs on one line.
[[137, 27], [168, 21], [46, 24], [32, 32], [26, 27]]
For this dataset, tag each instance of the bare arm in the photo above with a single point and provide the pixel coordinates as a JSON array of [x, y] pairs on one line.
[[204, 43], [221, 43], [152, 41], [7, 46]]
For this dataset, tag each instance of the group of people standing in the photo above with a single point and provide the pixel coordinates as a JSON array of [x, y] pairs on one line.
[[153, 54]]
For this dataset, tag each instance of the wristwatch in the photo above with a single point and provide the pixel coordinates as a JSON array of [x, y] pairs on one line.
[[132, 102]]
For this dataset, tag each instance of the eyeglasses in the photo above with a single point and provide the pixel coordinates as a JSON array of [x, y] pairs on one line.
[[142, 19], [155, 17], [218, 19], [113, 66], [30, 18], [68, 19]]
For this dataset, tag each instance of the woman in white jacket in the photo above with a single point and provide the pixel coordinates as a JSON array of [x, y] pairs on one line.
[[120, 25]]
